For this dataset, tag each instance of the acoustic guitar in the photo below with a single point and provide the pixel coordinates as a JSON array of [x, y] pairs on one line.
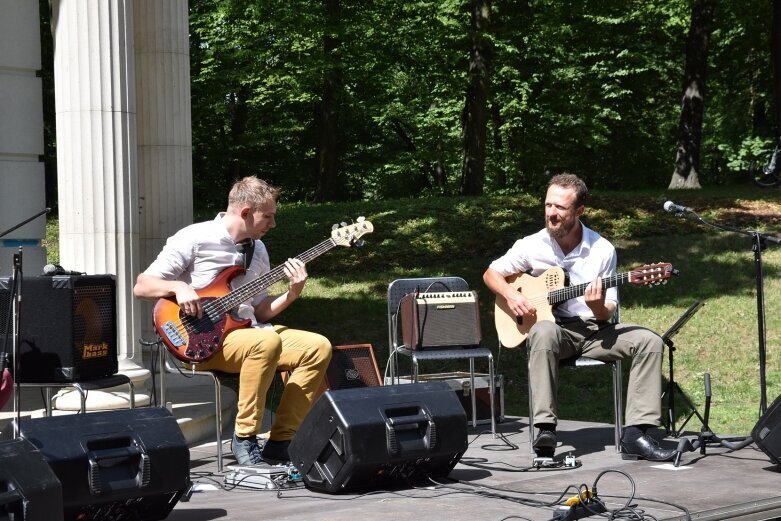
[[192, 339], [550, 288]]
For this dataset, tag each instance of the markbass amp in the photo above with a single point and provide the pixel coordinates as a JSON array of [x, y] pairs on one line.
[[440, 320], [67, 327]]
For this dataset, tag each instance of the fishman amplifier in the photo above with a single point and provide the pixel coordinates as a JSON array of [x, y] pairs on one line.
[[440, 320]]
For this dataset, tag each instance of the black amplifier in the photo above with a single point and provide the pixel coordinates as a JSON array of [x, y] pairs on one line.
[[440, 320], [67, 327]]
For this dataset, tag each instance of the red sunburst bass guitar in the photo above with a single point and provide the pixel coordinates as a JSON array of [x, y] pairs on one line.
[[192, 339]]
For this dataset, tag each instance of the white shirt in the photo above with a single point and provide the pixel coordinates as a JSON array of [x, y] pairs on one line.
[[593, 257], [198, 253]]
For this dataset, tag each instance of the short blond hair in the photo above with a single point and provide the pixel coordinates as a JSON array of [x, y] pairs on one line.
[[252, 191]]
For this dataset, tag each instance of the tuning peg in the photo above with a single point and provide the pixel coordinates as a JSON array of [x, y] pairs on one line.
[[360, 219], [334, 226], [358, 244], [343, 224]]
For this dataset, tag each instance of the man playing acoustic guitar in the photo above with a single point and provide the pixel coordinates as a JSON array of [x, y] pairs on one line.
[[578, 326], [191, 260]]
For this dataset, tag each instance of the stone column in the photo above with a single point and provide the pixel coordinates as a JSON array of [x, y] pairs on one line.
[[162, 56], [21, 137], [95, 104]]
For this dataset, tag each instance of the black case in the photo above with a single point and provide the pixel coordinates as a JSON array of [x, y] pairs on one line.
[[380, 437], [29, 489], [131, 462]]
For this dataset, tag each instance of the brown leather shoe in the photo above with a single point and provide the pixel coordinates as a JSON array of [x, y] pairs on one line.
[[645, 447]]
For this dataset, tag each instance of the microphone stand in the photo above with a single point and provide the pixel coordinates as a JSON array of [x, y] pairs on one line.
[[14, 227], [16, 305], [759, 241], [16, 309]]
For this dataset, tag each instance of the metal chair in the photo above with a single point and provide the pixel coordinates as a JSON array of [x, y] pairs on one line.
[[219, 378], [618, 402], [396, 291], [83, 388]]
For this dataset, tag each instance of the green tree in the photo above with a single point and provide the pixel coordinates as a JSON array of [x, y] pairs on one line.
[[687, 158]]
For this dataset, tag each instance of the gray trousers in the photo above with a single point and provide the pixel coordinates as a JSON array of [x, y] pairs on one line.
[[548, 342]]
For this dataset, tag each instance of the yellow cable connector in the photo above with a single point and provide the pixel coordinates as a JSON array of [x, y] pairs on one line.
[[583, 496]]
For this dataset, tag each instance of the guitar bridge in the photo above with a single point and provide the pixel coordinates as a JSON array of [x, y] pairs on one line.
[[172, 334]]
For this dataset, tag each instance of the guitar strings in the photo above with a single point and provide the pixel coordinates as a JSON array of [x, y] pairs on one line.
[[221, 305], [561, 294]]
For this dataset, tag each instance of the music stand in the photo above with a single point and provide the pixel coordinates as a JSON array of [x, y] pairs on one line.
[[672, 385]]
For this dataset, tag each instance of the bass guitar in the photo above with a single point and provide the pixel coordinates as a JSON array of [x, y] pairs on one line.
[[550, 288], [192, 339]]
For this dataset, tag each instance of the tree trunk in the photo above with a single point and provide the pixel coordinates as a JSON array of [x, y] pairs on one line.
[[327, 115], [687, 156], [238, 131], [475, 109], [496, 118], [775, 53]]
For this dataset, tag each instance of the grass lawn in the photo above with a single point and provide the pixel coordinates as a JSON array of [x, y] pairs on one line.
[[345, 298]]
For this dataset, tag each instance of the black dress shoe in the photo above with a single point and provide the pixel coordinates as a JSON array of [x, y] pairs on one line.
[[645, 447]]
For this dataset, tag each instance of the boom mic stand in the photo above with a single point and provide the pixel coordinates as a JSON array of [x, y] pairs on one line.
[[672, 385], [759, 241]]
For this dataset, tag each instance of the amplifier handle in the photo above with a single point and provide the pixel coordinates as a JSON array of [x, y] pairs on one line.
[[429, 438], [108, 459]]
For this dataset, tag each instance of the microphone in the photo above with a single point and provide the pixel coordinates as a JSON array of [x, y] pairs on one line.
[[670, 206], [56, 269]]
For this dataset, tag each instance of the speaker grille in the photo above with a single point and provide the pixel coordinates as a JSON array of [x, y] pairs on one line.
[[352, 366], [67, 328], [440, 320]]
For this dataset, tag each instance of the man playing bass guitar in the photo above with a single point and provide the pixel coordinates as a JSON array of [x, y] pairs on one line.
[[194, 258], [578, 326]]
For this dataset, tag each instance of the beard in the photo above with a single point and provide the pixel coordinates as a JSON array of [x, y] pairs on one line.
[[563, 229]]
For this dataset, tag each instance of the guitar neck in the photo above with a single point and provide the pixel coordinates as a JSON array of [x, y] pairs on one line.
[[569, 292], [253, 287]]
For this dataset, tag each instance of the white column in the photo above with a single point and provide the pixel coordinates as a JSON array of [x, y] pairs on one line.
[[95, 104], [22, 192], [162, 57]]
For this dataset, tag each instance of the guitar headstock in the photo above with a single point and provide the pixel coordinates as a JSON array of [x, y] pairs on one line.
[[349, 234], [652, 274]]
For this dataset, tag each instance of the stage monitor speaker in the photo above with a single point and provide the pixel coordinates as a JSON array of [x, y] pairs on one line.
[[380, 437], [67, 327], [767, 432], [29, 489], [125, 464], [440, 320]]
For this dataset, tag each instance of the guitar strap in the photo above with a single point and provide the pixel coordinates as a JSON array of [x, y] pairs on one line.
[[247, 249]]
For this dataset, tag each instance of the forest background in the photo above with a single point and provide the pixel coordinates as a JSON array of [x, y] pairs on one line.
[[442, 121]]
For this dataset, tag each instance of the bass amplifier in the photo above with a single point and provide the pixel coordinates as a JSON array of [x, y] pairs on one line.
[[67, 327], [440, 320]]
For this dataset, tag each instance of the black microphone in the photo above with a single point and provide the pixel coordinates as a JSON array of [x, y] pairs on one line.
[[670, 206], [56, 269]]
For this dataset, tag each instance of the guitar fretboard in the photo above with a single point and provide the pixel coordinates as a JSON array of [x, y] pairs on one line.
[[569, 292], [237, 296]]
